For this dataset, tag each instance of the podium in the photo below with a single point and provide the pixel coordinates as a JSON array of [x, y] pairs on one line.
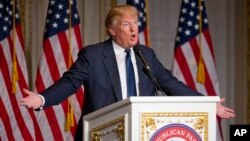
[[157, 118]]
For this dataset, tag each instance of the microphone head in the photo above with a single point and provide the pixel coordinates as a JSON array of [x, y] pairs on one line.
[[137, 49]]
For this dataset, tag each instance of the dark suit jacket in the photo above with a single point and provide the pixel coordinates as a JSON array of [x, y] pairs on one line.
[[96, 68]]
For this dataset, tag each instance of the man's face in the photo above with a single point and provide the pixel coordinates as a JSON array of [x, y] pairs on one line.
[[125, 31]]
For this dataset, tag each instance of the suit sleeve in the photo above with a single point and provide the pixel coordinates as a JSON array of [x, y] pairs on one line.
[[69, 83]]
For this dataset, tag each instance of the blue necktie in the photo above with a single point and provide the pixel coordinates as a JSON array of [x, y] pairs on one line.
[[131, 88]]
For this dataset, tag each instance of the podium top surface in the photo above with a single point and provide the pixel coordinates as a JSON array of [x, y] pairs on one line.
[[169, 99], [155, 99]]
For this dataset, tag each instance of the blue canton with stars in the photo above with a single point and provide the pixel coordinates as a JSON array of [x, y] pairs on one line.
[[6, 18], [140, 5], [189, 21], [58, 16]]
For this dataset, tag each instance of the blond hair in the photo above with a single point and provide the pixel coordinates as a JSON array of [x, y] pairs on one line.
[[115, 13]]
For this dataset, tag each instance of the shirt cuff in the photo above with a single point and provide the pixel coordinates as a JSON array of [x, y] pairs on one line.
[[43, 101]]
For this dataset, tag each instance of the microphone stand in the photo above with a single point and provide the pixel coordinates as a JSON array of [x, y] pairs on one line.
[[154, 81], [139, 52]]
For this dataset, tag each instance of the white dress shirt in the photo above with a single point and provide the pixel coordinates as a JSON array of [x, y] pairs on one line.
[[120, 55]]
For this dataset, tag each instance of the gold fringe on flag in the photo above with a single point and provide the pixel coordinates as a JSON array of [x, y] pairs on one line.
[[70, 114], [14, 60], [201, 68], [69, 118]]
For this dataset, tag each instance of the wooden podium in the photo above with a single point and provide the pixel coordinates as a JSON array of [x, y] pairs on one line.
[[157, 118]]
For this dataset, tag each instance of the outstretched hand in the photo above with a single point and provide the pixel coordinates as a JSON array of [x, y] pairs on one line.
[[224, 112], [32, 101]]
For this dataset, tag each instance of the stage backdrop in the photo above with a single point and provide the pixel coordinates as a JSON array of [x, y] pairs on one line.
[[228, 23]]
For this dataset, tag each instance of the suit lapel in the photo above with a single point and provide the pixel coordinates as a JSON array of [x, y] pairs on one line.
[[112, 68], [142, 77], [140, 74]]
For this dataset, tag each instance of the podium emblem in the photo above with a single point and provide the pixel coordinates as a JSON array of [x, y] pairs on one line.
[[174, 126], [176, 132]]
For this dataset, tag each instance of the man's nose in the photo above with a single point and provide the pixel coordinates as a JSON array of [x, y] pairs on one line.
[[133, 27]]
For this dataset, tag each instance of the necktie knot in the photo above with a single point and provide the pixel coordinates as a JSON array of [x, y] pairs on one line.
[[127, 51]]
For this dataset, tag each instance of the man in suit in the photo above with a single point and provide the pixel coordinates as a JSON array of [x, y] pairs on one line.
[[101, 69]]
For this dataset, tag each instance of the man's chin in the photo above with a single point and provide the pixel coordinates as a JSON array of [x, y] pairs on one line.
[[133, 44]]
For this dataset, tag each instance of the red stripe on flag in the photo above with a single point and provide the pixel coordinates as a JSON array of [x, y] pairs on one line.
[[55, 70], [38, 134], [80, 92], [183, 65], [190, 35], [39, 81], [6, 121], [20, 36], [22, 84], [209, 42], [78, 35], [20, 121], [195, 48], [49, 112], [51, 60], [146, 36], [64, 44], [208, 83], [56, 59], [54, 73], [51, 117]]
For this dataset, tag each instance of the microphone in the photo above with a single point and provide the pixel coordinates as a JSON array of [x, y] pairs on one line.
[[139, 52]]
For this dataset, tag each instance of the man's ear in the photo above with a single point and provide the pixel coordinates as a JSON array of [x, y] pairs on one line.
[[111, 31]]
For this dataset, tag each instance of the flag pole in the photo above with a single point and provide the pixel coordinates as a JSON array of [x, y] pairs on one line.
[[14, 60], [70, 113], [200, 69]]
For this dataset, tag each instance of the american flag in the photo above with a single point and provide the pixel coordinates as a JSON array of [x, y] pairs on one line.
[[143, 24], [60, 48], [16, 123], [194, 47]]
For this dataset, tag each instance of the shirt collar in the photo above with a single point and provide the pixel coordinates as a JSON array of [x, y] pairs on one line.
[[119, 50]]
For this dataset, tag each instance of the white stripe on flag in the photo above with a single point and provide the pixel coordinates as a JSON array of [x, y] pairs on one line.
[[142, 39], [8, 107], [177, 72], [44, 125], [208, 61]]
